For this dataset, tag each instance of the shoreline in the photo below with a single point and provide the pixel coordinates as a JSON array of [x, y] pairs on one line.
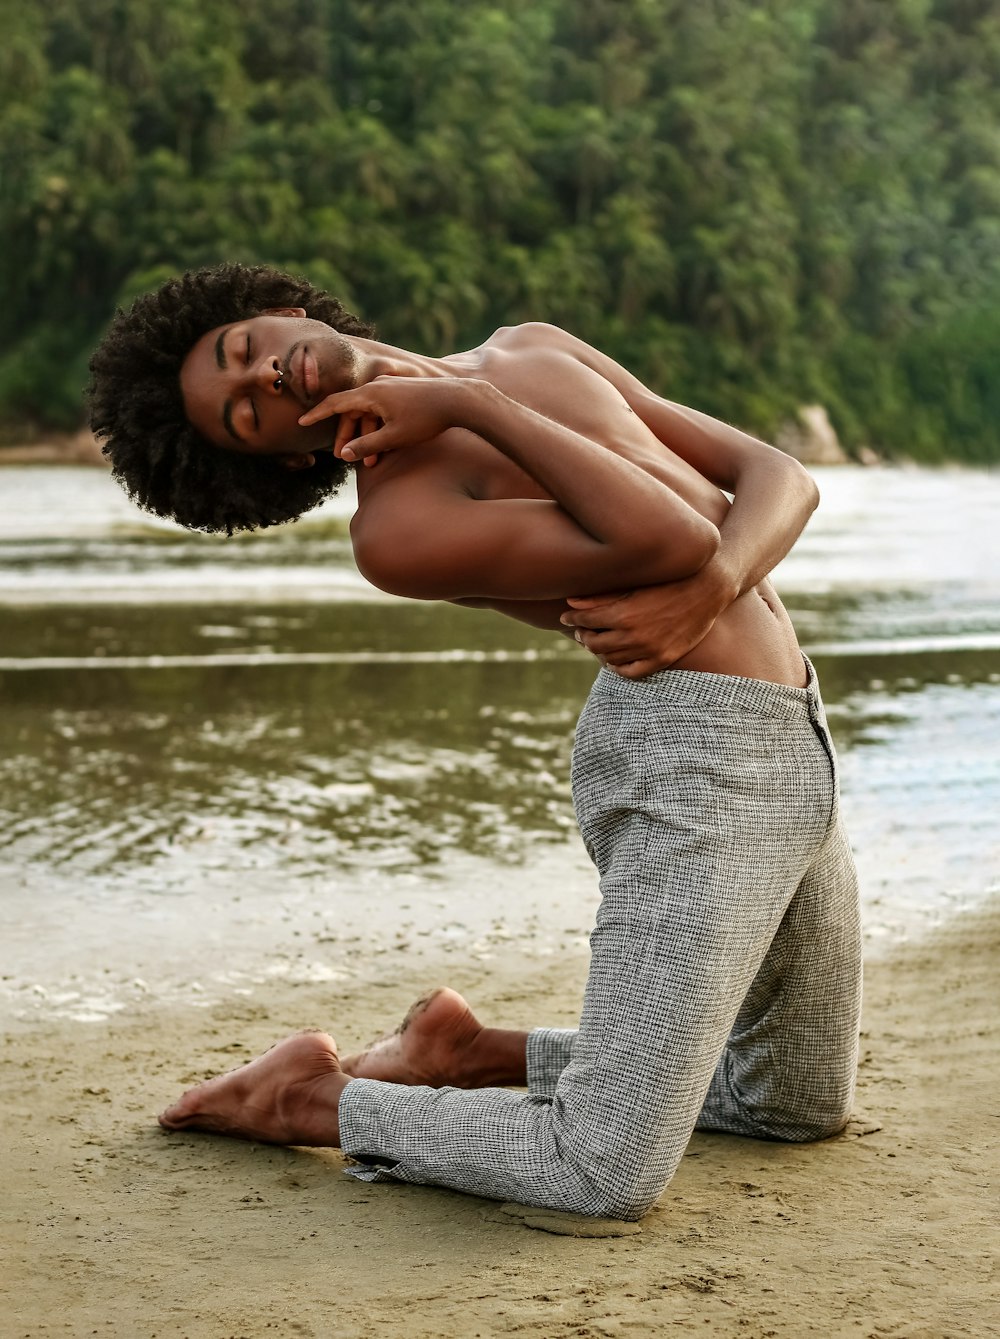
[[888, 1230], [76, 448], [82, 448]]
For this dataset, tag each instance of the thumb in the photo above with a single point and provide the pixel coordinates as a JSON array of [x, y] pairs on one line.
[[592, 601]]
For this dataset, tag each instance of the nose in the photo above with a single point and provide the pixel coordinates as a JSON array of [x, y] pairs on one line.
[[268, 376]]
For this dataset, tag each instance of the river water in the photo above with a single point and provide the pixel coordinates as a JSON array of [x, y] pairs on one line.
[[223, 761]]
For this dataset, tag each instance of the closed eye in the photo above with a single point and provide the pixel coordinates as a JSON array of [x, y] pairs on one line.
[[253, 407]]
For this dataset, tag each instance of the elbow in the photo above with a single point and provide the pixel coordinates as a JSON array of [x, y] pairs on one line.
[[705, 545], [693, 546], [806, 486], [811, 489]]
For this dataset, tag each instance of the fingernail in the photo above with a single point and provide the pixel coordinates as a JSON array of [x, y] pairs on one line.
[[347, 454]]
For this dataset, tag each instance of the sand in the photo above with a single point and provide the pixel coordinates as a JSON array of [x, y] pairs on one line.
[[112, 1227], [68, 448]]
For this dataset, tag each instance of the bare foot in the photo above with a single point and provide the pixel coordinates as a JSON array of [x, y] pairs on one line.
[[289, 1095], [436, 1044]]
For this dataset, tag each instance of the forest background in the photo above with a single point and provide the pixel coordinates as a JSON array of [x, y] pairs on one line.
[[753, 205]]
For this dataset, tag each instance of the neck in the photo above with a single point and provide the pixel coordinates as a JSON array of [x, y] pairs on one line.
[[375, 359]]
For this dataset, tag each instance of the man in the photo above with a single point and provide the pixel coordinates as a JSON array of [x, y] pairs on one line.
[[525, 476]]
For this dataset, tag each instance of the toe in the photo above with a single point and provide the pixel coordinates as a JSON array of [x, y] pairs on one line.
[[173, 1118], [180, 1113]]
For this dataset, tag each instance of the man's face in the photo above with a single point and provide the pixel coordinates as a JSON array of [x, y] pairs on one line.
[[245, 385]]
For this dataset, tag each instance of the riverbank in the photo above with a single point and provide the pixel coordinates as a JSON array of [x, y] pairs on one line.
[[82, 448], [113, 1227], [71, 448]]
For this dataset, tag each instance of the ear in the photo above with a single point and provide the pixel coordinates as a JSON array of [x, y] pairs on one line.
[[304, 461], [284, 311]]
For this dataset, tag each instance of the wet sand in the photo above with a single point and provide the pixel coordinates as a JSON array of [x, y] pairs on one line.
[[237, 799], [113, 1227]]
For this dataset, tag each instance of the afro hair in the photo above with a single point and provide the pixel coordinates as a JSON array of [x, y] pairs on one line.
[[136, 406]]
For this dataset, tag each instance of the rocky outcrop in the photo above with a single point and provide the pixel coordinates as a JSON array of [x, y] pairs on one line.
[[811, 438]]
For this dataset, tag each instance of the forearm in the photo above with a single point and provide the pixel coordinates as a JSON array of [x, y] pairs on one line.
[[773, 495], [772, 503], [613, 501], [773, 498]]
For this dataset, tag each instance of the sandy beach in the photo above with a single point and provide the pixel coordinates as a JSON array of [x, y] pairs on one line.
[[240, 796], [113, 1227]]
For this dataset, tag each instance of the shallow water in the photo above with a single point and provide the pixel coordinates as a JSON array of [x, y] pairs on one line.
[[221, 760]]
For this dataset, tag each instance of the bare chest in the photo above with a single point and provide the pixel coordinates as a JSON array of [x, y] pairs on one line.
[[559, 386]]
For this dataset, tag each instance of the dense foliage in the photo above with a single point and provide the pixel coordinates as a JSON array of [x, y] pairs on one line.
[[752, 203]]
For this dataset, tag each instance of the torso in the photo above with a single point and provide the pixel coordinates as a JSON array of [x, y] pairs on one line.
[[753, 637]]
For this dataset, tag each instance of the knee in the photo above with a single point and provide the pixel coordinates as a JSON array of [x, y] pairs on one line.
[[809, 1128], [612, 1201], [795, 1113], [806, 1121], [611, 1168], [613, 1191]]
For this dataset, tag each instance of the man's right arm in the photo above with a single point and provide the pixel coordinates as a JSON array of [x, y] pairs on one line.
[[608, 521]]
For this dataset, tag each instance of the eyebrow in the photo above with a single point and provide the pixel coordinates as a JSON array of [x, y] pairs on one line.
[[227, 408]]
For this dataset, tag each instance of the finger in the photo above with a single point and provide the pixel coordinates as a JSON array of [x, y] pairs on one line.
[[636, 669], [601, 616], [347, 430], [626, 656], [604, 641], [338, 403], [591, 601], [386, 438]]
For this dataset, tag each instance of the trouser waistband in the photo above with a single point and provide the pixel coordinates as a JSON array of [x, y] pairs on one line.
[[703, 691]]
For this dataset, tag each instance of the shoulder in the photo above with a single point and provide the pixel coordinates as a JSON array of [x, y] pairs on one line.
[[548, 349], [532, 334], [406, 510], [538, 339]]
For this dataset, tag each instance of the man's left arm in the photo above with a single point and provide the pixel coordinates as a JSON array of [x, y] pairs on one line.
[[645, 630]]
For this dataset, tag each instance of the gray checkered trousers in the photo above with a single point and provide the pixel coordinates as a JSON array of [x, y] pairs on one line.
[[725, 981]]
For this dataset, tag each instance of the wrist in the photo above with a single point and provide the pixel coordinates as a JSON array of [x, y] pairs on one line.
[[723, 577], [480, 402]]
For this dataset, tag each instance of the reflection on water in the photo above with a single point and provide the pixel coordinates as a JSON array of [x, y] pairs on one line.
[[921, 778], [293, 770], [300, 768], [214, 769], [71, 535]]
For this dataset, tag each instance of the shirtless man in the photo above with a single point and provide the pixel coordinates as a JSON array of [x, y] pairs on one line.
[[724, 986]]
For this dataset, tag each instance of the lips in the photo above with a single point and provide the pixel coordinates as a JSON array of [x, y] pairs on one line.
[[309, 375], [303, 376]]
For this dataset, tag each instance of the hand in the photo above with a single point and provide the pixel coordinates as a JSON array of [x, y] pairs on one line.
[[389, 413], [638, 632]]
